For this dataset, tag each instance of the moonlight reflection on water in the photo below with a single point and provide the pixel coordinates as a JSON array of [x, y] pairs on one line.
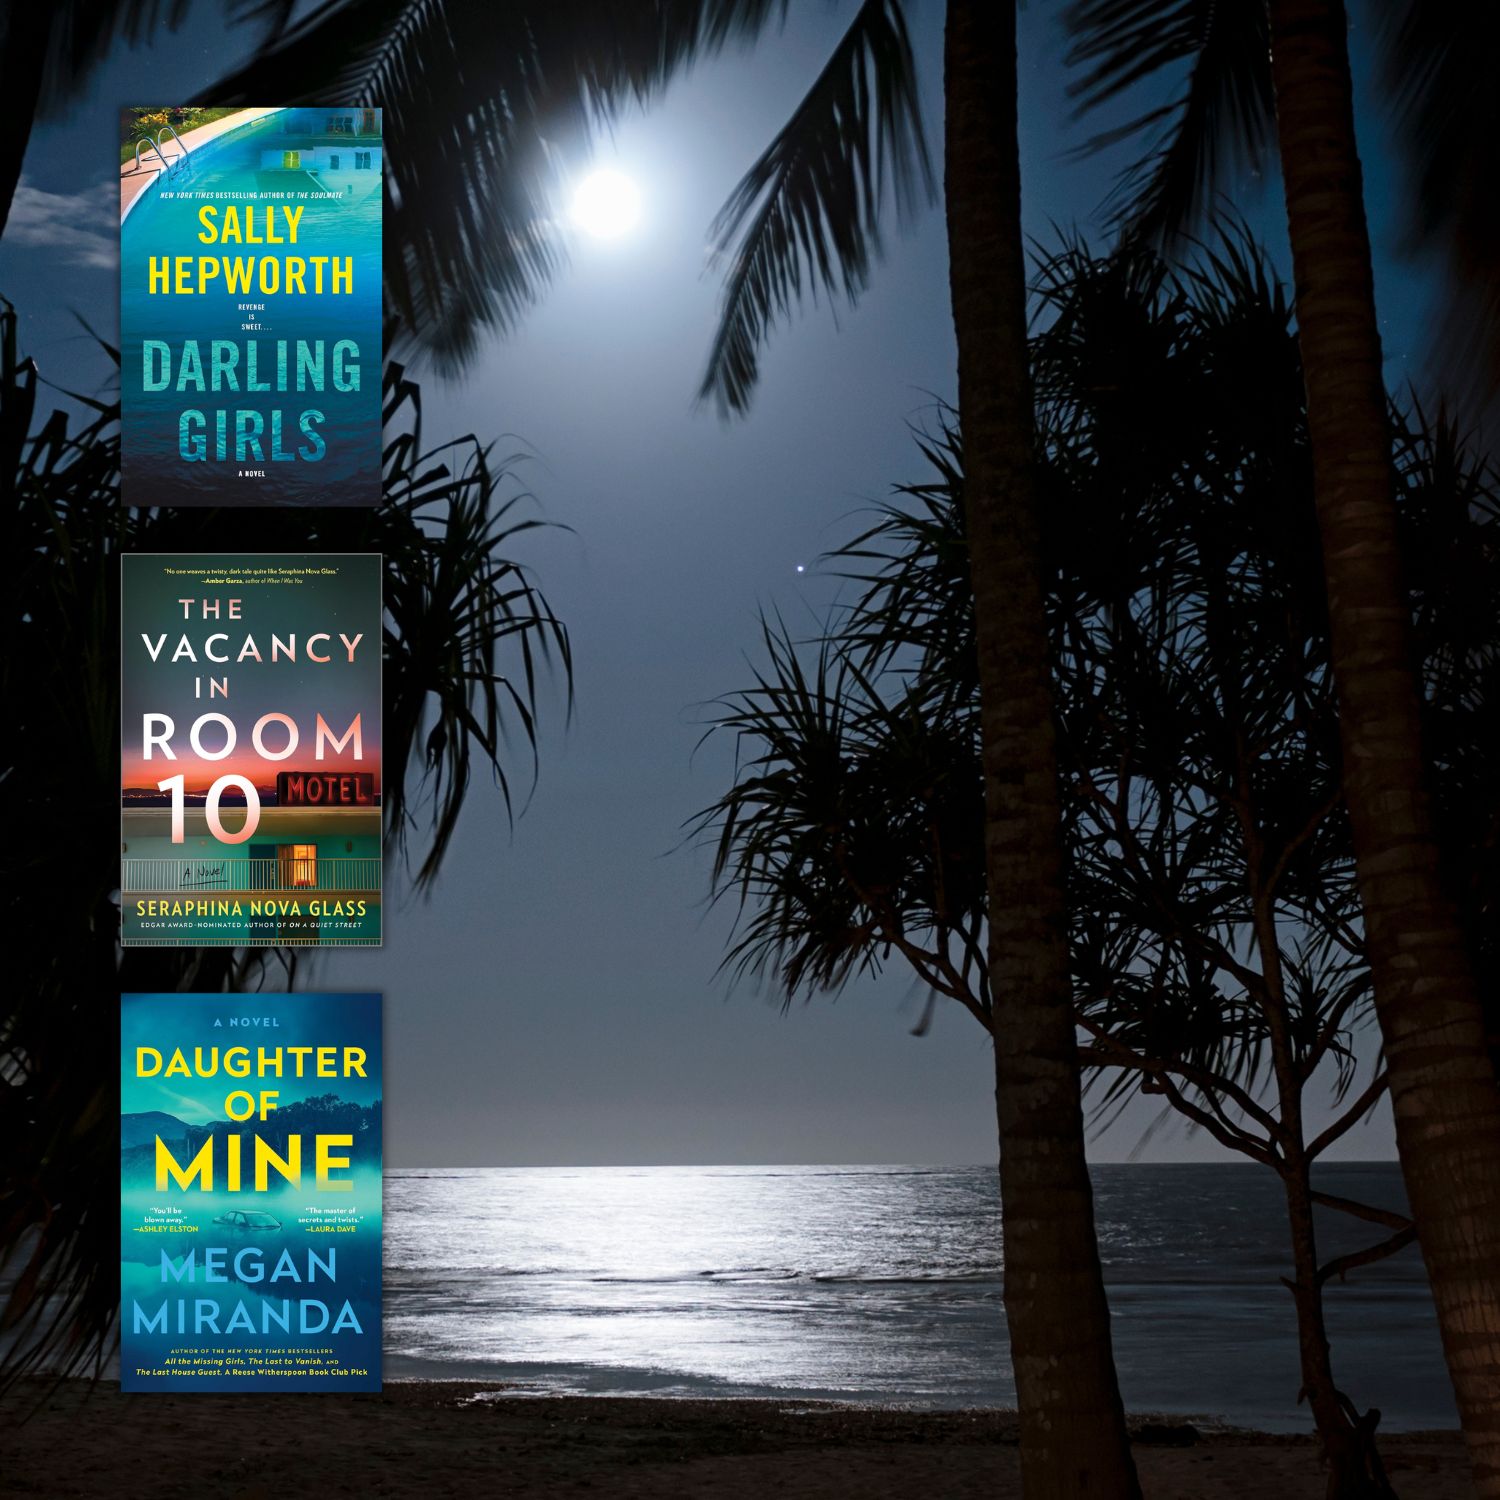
[[877, 1284]]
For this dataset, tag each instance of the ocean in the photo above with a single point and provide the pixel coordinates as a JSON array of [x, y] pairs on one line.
[[882, 1284]]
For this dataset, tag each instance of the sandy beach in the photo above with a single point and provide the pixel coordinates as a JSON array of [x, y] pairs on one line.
[[460, 1439]]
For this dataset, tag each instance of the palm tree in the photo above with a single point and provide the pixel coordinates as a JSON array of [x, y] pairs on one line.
[[466, 636], [807, 215], [1443, 1090], [1443, 1093], [1054, 1287], [1214, 934], [480, 109]]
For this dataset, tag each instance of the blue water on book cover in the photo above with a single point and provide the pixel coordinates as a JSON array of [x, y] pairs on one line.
[[250, 1192]]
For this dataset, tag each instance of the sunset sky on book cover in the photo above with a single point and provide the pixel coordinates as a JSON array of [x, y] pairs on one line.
[[250, 309], [250, 1192], [250, 774]]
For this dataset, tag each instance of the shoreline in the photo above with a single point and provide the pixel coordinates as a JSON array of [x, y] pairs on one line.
[[466, 1438]]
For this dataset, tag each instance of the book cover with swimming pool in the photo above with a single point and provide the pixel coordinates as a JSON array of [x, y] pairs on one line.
[[250, 1192], [250, 750], [250, 299]]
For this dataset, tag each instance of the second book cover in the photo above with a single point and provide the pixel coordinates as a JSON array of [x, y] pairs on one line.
[[250, 750]]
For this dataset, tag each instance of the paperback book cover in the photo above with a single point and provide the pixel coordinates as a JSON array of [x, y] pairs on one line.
[[250, 1192], [250, 750], [250, 296]]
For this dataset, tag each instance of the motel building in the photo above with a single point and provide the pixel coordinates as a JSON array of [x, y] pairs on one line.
[[309, 874], [336, 150]]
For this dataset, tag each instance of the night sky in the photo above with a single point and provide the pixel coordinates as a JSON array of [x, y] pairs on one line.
[[555, 1001]]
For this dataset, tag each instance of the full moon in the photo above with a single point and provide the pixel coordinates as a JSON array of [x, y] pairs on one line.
[[606, 205]]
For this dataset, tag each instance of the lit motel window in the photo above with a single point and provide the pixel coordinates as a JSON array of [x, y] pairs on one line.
[[301, 862]]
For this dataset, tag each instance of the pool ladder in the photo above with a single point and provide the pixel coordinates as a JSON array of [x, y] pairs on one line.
[[170, 168]]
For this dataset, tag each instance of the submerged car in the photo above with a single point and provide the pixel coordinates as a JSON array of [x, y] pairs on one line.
[[254, 1219]]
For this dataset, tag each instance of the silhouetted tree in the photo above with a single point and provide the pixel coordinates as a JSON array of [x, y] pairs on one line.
[[484, 110], [487, 110], [1216, 945], [1246, 57], [1073, 1426], [480, 109]]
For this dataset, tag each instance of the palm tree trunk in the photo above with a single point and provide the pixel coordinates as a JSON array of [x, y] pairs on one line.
[[1348, 1439], [1442, 1087], [1355, 1471], [1073, 1438]]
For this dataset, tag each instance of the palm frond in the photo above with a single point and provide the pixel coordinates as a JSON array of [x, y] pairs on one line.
[[1222, 119], [486, 109], [805, 219], [48, 53], [853, 829], [1213, 912], [913, 610], [1436, 61], [457, 603]]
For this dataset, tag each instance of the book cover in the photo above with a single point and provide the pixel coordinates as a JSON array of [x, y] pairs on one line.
[[250, 297], [250, 1192], [250, 750]]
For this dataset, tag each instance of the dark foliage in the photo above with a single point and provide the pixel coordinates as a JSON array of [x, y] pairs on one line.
[[1436, 71], [1223, 116], [488, 110], [1215, 936], [805, 219]]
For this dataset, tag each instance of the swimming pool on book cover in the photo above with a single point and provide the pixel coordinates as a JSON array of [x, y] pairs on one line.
[[250, 1192]]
